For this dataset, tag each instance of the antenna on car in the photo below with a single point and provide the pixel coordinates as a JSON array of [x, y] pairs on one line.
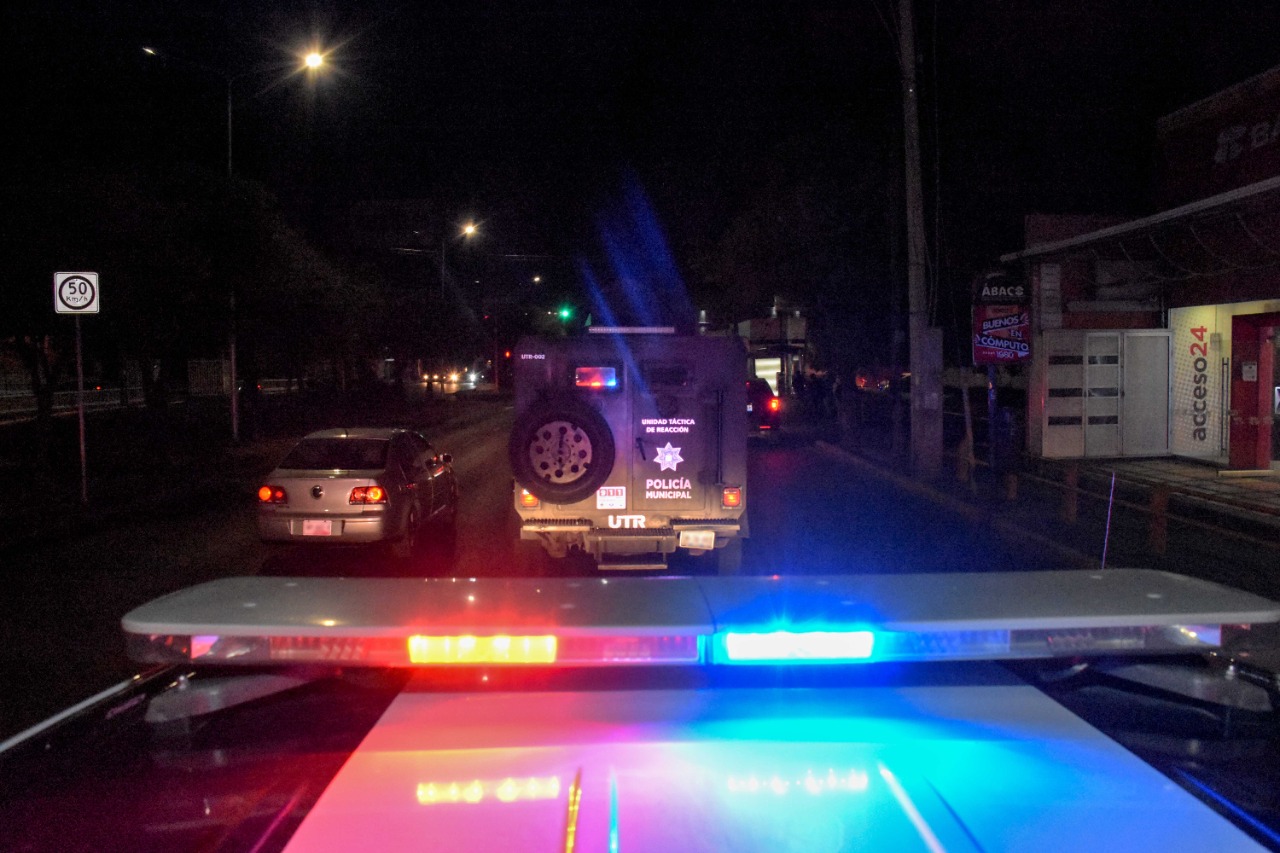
[[1106, 537]]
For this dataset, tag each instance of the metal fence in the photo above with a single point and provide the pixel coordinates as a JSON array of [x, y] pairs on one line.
[[24, 404], [20, 404]]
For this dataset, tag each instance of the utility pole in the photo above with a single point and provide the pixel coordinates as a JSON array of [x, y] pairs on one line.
[[925, 342]]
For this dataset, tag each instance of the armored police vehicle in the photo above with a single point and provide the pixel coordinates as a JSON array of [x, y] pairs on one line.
[[629, 443]]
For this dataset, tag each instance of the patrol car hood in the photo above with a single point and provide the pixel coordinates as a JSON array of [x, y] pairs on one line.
[[966, 759], [924, 747]]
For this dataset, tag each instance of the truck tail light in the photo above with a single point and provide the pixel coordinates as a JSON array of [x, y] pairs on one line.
[[731, 497], [368, 495], [775, 404], [528, 501], [272, 495]]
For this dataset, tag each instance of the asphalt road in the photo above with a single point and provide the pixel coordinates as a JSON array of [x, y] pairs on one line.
[[60, 639]]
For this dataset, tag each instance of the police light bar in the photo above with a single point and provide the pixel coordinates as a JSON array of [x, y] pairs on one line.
[[415, 650], [729, 621]]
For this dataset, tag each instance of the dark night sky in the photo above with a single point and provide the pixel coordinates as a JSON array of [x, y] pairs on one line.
[[532, 114]]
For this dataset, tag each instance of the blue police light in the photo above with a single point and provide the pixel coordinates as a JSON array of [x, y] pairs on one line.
[[794, 646]]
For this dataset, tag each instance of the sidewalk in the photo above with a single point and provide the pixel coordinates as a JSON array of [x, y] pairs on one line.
[[1167, 514], [1245, 505], [1171, 514], [1255, 493]]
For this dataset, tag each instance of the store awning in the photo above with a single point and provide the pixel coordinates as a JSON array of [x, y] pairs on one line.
[[1249, 200]]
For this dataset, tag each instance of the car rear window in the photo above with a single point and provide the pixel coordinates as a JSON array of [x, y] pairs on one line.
[[338, 454]]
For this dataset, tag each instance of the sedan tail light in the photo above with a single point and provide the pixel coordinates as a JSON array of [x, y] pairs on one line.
[[368, 495], [272, 495]]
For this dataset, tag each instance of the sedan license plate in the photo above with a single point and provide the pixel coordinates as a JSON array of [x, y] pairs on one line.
[[699, 540], [317, 527]]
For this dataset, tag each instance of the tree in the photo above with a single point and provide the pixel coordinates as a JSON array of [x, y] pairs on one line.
[[171, 248], [75, 219], [813, 233]]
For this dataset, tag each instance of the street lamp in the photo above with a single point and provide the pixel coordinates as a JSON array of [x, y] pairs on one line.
[[468, 230], [313, 61]]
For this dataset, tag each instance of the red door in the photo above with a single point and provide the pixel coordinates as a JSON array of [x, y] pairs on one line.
[[1253, 370]]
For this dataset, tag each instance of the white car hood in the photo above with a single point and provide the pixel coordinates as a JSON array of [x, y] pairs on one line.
[[983, 763]]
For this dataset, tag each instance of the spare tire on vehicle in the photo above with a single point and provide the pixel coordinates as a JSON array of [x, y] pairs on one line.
[[561, 450]]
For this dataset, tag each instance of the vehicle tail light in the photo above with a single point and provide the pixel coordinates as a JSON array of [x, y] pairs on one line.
[[368, 495], [528, 501], [775, 404], [272, 495], [731, 497]]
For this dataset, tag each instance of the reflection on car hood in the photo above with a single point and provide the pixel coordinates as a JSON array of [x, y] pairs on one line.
[[987, 763]]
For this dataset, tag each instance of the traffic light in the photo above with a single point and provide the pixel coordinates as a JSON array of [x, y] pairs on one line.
[[566, 313]]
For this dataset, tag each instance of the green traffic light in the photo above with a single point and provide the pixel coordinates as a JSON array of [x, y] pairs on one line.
[[565, 312]]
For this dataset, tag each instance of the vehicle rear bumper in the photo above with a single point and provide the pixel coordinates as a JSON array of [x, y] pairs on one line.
[[348, 529], [716, 533]]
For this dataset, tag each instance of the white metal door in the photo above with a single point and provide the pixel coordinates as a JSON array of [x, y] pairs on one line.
[[1145, 395], [1102, 385]]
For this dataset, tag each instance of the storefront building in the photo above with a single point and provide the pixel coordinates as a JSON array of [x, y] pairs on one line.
[[1158, 336]]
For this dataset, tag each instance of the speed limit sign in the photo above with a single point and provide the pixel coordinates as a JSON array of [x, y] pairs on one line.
[[75, 292]]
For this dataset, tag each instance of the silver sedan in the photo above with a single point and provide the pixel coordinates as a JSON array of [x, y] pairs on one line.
[[349, 486]]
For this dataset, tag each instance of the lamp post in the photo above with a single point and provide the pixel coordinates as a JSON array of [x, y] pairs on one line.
[[468, 231], [312, 62]]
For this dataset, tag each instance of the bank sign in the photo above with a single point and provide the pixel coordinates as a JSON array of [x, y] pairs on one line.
[[1001, 334]]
